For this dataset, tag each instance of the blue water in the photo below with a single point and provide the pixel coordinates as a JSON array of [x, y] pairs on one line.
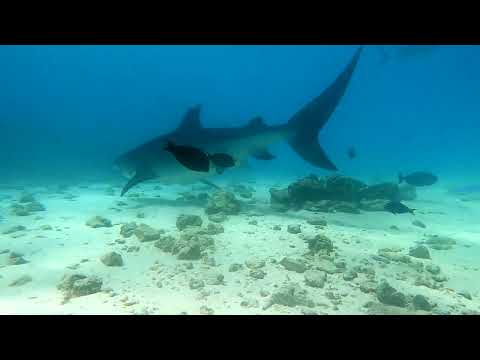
[[70, 110], [67, 112]]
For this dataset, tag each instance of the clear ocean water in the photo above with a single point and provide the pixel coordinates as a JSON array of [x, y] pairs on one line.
[[68, 112]]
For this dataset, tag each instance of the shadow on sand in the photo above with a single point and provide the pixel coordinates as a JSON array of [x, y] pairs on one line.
[[142, 202]]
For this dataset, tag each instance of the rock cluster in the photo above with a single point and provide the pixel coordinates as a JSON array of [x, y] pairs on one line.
[[294, 229], [432, 278], [76, 285], [388, 295], [15, 258], [437, 242], [146, 233], [254, 264], [420, 302], [217, 218], [26, 205], [243, 191], [223, 202], [14, 229], [214, 229], [293, 264], [98, 221], [319, 244], [317, 221], [420, 252], [335, 194], [315, 278], [183, 221], [290, 295], [128, 229], [112, 259], [192, 244]]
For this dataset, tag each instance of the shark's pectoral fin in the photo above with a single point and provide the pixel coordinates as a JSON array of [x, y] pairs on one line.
[[220, 170], [263, 154], [141, 175]]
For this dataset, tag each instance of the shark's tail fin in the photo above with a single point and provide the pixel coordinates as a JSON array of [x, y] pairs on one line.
[[308, 122], [384, 55]]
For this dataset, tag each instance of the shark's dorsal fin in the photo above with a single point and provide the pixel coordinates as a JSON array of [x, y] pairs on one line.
[[256, 123], [191, 120]]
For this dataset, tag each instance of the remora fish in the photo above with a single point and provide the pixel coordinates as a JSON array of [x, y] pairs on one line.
[[149, 161]]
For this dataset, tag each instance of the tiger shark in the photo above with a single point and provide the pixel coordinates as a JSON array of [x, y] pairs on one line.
[[150, 160]]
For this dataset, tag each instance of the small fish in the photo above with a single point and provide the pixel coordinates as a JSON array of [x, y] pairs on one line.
[[396, 207], [222, 161], [190, 157], [418, 179], [352, 153]]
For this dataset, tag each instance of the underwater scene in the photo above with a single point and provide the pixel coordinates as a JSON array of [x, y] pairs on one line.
[[239, 180]]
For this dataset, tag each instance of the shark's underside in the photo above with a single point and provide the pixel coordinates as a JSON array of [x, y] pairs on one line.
[[151, 161]]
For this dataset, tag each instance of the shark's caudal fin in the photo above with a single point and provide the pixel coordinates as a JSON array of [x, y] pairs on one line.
[[308, 122]]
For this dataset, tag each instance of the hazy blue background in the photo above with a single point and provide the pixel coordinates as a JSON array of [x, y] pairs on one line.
[[68, 111]]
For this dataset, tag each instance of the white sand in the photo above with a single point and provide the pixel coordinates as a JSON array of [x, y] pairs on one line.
[[357, 237]]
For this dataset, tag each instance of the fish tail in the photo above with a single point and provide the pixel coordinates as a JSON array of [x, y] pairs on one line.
[[400, 178], [308, 121]]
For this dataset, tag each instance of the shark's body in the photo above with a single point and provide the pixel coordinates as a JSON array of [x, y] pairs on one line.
[[151, 161]]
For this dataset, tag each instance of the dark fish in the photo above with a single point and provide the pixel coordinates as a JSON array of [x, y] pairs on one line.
[[222, 160], [190, 157], [396, 207], [352, 154], [418, 179]]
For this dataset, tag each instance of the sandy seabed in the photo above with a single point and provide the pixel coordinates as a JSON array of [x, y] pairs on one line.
[[152, 281]]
